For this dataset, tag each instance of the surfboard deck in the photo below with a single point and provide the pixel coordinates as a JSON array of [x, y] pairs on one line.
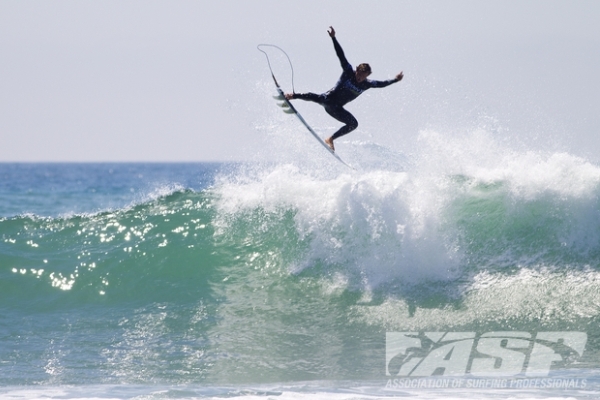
[[290, 109]]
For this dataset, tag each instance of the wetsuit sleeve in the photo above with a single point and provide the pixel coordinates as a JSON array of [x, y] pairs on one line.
[[381, 84], [340, 53]]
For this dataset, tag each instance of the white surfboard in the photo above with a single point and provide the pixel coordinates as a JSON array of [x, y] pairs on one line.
[[290, 109]]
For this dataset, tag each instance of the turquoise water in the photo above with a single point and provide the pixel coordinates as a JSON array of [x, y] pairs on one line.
[[211, 280]]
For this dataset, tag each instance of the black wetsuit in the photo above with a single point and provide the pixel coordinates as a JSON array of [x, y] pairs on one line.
[[345, 90]]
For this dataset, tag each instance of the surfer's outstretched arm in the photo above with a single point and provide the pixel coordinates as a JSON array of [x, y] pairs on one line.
[[338, 50], [381, 84]]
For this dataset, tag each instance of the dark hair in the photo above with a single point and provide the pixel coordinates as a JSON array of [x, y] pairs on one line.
[[364, 67]]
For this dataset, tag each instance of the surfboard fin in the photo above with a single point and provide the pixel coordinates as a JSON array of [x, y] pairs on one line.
[[279, 97], [283, 105], [289, 111]]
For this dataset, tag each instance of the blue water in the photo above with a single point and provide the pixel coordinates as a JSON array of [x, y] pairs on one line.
[[275, 281], [55, 189]]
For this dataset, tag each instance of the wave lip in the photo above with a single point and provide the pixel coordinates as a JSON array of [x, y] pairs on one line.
[[378, 224]]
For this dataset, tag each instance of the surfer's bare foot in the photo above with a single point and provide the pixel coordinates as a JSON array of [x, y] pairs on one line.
[[289, 96], [329, 142]]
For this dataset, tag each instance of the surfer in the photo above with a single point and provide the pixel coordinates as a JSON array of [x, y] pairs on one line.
[[351, 84]]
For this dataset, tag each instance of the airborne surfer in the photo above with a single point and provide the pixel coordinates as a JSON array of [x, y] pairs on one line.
[[351, 84]]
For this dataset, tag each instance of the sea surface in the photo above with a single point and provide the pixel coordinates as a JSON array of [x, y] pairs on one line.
[[438, 276]]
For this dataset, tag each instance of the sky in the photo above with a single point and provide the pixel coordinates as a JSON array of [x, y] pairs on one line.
[[163, 81]]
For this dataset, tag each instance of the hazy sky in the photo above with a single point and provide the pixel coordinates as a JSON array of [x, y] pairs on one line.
[[183, 81]]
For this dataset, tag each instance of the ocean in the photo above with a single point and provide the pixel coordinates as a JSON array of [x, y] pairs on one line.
[[422, 276]]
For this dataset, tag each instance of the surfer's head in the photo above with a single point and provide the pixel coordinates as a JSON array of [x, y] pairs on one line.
[[362, 72]]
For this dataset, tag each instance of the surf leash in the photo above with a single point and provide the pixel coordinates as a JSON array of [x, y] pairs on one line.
[[269, 62]]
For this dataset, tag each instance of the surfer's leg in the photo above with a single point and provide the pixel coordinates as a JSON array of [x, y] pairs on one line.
[[342, 115], [317, 98]]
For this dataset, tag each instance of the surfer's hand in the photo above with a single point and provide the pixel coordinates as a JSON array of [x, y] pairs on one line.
[[399, 76], [289, 96], [331, 32]]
